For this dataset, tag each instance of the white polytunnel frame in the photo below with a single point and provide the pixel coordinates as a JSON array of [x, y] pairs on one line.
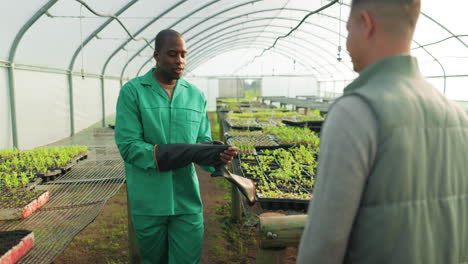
[[63, 62]]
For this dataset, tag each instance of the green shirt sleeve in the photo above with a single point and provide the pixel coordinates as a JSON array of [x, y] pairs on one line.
[[204, 134], [129, 131]]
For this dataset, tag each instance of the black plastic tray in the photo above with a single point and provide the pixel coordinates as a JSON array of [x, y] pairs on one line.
[[245, 128], [241, 127], [277, 203], [284, 146], [283, 204], [315, 126]]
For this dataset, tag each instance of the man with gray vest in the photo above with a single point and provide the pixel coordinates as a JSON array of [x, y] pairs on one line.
[[392, 182]]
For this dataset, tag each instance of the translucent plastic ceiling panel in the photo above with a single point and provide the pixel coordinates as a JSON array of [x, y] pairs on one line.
[[427, 31], [452, 55], [249, 42], [457, 88], [299, 45], [101, 6], [450, 13], [263, 66], [427, 64], [242, 12], [52, 41], [171, 21], [259, 66], [316, 35], [136, 64], [144, 11], [13, 15], [207, 13], [101, 47], [116, 64], [320, 46]]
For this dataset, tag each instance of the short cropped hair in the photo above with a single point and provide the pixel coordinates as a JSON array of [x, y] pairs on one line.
[[397, 16], [161, 37]]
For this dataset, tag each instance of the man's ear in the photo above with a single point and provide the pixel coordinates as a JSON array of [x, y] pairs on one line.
[[367, 22], [156, 55]]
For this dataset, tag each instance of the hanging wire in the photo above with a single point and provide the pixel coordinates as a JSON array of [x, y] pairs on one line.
[[273, 60], [339, 34], [292, 30], [118, 20], [81, 41]]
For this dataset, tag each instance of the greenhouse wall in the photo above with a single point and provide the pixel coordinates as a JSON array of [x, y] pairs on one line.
[[209, 87], [87, 101], [231, 88], [6, 140], [288, 86], [111, 93], [42, 109], [457, 88], [332, 89]]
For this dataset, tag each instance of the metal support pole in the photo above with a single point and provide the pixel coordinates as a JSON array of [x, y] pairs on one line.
[[236, 207], [70, 102], [75, 56], [11, 86], [11, 72], [103, 100]]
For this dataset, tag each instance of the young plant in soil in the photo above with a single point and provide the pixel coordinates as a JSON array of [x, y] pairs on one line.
[[13, 194], [246, 148], [294, 135], [255, 140]]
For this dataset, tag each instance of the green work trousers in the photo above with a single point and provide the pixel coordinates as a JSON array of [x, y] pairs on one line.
[[174, 239]]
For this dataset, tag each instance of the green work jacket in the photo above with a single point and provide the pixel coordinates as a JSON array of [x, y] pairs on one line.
[[146, 117]]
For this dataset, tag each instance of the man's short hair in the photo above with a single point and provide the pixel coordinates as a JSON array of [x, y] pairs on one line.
[[397, 16], [162, 36]]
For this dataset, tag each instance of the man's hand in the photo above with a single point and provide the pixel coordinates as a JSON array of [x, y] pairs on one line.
[[228, 155]]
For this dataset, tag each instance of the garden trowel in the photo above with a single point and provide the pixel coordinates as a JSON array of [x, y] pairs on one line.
[[245, 186]]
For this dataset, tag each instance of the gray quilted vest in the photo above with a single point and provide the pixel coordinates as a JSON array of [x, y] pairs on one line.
[[414, 207]]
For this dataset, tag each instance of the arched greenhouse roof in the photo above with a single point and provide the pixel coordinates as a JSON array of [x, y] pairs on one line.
[[63, 62]]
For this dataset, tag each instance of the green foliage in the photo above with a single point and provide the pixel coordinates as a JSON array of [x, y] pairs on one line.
[[215, 128], [18, 167], [246, 148], [242, 122], [244, 133], [294, 135], [281, 173]]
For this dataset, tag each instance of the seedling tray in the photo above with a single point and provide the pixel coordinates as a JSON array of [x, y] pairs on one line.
[[21, 204], [315, 126], [283, 204], [50, 175], [33, 183], [285, 188], [81, 156], [68, 166], [251, 127], [14, 245], [247, 144]]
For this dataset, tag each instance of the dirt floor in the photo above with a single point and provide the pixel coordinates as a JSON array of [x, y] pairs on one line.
[[225, 241], [105, 240]]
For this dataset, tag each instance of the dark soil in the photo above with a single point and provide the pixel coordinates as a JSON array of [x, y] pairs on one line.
[[9, 239], [18, 198]]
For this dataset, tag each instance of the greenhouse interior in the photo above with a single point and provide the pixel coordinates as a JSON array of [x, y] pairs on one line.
[[86, 152]]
